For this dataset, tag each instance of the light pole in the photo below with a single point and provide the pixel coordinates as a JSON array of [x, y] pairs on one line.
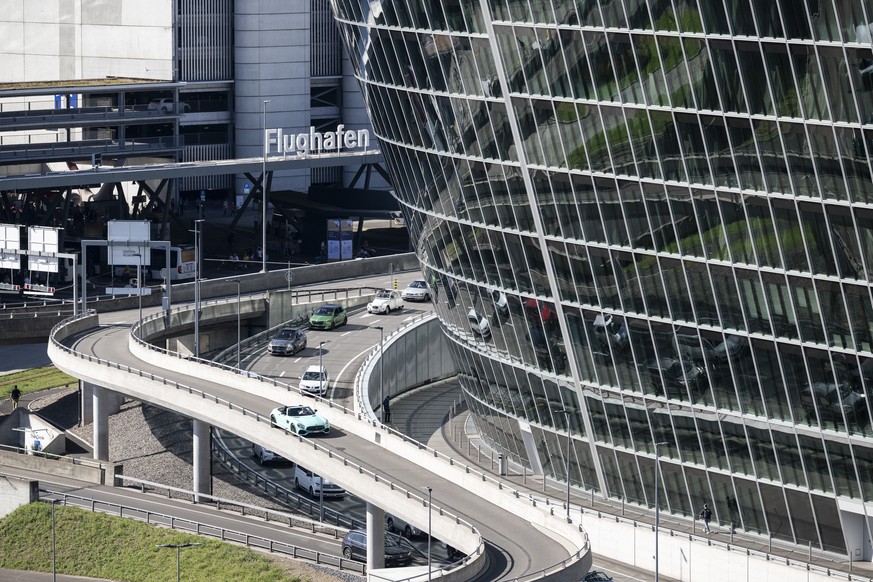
[[54, 552], [198, 230], [569, 445], [321, 369], [238, 334], [138, 277], [178, 555], [429, 522], [264, 192], [657, 506], [381, 373]]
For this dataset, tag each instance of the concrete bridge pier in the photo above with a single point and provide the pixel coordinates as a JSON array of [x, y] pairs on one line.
[[100, 400], [375, 537], [112, 402], [202, 457]]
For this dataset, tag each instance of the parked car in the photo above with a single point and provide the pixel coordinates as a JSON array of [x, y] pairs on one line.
[[288, 341], [597, 576], [263, 455], [694, 347], [299, 419], [479, 323], [311, 483], [418, 290], [681, 372], [314, 381], [610, 333], [398, 552], [501, 304], [328, 317], [732, 346], [398, 525], [834, 399], [385, 301]]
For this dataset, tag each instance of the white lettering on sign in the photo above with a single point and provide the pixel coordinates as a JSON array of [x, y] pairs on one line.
[[277, 141]]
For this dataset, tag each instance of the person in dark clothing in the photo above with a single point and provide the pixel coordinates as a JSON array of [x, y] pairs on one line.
[[386, 410], [706, 515], [15, 394]]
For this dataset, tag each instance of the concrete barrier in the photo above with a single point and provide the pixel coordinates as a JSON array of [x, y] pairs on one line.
[[15, 492], [60, 467]]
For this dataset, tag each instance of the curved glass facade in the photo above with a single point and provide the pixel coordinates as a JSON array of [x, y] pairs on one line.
[[646, 222]]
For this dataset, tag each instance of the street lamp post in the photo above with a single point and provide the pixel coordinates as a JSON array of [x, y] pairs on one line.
[[264, 192], [198, 231], [381, 373], [321, 368], [569, 445], [138, 277], [657, 506], [429, 523], [54, 551], [178, 548], [238, 327]]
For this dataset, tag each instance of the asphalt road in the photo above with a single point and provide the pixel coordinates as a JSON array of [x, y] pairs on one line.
[[510, 554]]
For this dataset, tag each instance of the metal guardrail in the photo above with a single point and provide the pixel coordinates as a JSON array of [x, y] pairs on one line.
[[363, 471], [198, 528], [85, 462], [280, 494]]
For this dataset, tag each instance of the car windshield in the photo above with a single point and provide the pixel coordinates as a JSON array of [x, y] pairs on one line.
[[285, 334], [312, 375], [418, 285], [383, 295], [299, 411], [324, 311]]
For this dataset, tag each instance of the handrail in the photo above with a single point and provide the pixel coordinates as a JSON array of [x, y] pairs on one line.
[[198, 528], [376, 477]]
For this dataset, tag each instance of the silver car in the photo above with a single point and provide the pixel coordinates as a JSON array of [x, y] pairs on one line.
[[287, 342], [418, 290]]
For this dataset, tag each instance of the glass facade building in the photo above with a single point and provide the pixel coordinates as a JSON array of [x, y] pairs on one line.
[[648, 221]]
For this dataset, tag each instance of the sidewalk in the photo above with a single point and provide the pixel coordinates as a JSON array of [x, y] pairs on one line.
[[426, 415]]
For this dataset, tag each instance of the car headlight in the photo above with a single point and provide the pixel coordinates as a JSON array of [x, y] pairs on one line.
[[300, 426], [326, 423]]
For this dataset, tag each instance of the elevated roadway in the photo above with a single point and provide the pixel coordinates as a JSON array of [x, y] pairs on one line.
[[523, 541]]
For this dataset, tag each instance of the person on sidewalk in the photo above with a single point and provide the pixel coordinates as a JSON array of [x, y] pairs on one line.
[[15, 394], [706, 515]]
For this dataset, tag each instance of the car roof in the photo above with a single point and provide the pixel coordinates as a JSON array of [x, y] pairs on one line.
[[314, 368]]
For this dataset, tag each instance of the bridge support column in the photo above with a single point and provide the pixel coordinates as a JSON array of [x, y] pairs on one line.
[[375, 537], [202, 455], [100, 412], [112, 402]]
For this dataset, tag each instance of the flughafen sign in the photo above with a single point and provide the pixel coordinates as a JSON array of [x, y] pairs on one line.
[[277, 141]]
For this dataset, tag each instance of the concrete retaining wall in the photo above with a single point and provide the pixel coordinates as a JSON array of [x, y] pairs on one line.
[[64, 467], [15, 492]]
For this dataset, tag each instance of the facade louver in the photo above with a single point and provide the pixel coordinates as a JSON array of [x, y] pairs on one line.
[[648, 222]]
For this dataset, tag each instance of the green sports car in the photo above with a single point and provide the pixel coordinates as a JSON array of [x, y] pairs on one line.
[[328, 317], [299, 419]]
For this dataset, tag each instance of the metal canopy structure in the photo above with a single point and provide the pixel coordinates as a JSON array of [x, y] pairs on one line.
[[183, 170]]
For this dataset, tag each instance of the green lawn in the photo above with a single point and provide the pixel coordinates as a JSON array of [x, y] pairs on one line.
[[114, 548], [34, 379]]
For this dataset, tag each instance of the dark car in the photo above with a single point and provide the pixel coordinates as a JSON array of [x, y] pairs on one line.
[[398, 552], [287, 342], [681, 372], [732, 346], [832, 399], [597, 576], [696, 348]]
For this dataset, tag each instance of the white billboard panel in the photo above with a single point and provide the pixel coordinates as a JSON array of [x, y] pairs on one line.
[[10, 240], [127, 238], [10, 237], [41, 239]]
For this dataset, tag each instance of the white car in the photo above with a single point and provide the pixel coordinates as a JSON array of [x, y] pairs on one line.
[[299, 419], [398, 525], [311, 483], [418, 290], [314, 381], [263, 455], [385, 301], [479, 323]]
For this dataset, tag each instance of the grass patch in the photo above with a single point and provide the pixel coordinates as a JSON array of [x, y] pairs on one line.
[[103, 546], [34, 379]]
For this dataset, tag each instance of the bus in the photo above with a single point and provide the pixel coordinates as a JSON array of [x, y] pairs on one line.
[[182, 262]]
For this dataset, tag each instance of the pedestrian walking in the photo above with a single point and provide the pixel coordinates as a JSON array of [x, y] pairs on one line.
[[15, 394], [386, 410], [706, 515]]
